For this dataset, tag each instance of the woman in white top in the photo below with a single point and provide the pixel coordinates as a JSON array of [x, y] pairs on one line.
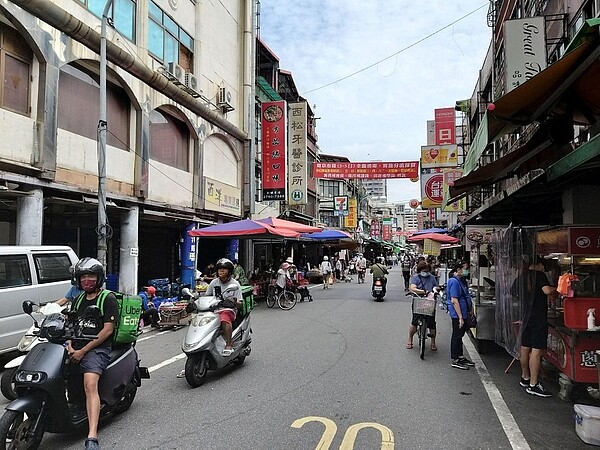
[[326, 270]]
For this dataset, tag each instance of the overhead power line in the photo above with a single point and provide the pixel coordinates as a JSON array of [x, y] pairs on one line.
[[397, 53]]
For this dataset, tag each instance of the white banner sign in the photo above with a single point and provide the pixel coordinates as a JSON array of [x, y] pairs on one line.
[[525, 44], [297, 154]]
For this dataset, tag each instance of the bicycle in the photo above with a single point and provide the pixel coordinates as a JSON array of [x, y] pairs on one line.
[[286, 299], [423, 307]]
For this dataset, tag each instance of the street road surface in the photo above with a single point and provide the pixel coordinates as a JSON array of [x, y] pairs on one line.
[[334, 374]]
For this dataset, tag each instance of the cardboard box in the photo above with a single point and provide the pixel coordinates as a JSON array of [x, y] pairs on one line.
[[587, 423]]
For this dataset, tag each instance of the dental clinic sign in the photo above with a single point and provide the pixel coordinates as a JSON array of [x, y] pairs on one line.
[[525, 50]]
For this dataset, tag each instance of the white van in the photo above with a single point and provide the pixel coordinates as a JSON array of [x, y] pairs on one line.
[[40, 274]]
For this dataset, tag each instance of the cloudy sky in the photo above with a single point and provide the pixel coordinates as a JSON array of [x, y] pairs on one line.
[[379, 113]]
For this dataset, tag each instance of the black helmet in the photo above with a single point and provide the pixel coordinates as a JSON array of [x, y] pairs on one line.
[[89, 265], [224, 263]]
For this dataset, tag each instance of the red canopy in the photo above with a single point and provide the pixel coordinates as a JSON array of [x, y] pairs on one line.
[[443, 238], [243, 229], [289, 225]]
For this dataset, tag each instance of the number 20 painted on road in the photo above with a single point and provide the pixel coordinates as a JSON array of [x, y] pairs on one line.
[[387, 437]]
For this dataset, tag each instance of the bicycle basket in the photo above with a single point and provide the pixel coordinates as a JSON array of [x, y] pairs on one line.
[[423, 306]]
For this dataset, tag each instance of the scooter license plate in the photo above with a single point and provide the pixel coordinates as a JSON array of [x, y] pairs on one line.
[[144, 373], [378, 288]]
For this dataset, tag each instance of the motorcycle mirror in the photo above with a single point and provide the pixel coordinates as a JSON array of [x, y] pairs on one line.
[[27, 307], [92, 312]]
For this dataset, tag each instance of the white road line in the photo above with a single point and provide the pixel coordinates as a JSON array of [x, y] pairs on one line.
[[509, 425], [166, 362], [153, 335]]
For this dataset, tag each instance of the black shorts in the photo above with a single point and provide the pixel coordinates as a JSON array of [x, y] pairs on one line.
[[535, 335], [430, 321], [96, 360]]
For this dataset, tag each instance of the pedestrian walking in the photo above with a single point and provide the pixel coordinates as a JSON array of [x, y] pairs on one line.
[[326, 271]]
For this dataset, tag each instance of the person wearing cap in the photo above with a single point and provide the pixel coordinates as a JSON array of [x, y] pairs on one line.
[[283, 276], [149, 311], [293, 270], [326, 270]]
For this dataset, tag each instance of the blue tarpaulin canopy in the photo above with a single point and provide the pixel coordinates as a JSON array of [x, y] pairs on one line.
[[431, 230], [327, 235]]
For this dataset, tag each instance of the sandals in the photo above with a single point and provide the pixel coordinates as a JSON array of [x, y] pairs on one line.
[[409, 345], [227, 352], [433, 348]]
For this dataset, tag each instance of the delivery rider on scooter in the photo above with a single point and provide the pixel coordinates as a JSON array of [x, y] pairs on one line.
[[379, 270], [231, 302], [93, 356]]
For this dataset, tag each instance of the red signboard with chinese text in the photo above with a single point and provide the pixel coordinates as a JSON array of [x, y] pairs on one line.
[[366, 170], [375, 228], [445, 127], [584, 241], [274, 150], [573, 357]]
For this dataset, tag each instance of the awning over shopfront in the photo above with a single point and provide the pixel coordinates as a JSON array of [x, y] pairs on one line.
[[327, 234], [443, 238], [289, 225], [243, 229], [575, 74], [431, 230]]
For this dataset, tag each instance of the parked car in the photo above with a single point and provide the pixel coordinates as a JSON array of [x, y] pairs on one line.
[[40, 274]]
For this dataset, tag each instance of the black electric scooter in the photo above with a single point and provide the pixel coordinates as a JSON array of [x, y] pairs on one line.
[[378, 291], [50, 395]]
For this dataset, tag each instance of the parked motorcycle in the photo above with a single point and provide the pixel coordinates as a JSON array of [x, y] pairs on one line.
[[378, 290], [203, 343], [50, 397], [27, 342]]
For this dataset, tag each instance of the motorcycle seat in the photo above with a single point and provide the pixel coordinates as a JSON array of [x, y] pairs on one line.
[[117, 351]]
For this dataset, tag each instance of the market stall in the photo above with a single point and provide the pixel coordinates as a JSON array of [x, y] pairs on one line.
[[571, 259], [572, 339]]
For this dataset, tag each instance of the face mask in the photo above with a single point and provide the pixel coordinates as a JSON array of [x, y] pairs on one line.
[[88, 285], [465, 274], [424, 274]]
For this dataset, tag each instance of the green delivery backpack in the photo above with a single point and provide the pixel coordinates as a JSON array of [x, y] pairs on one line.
[[130, 310]]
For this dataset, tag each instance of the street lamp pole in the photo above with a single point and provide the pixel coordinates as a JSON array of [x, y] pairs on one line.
[[102, 230]]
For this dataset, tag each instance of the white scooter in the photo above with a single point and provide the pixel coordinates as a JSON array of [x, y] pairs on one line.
[[27, 342], [203, 343]]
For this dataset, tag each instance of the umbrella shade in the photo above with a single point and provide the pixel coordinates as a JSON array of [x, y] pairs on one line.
[[431, 230], [444, 238], [328, 234], [289, 225], [243, 229]]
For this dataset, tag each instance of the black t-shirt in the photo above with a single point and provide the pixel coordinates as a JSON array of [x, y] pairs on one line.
[[91, 327], [535, 301]]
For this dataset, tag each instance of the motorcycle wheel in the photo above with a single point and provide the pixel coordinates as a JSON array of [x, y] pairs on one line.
[[14, 430], [7, 383], [196, 369], [240, 359], [126, 401]]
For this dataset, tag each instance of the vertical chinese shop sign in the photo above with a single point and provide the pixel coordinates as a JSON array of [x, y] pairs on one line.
[[297, 159], [274, 150]]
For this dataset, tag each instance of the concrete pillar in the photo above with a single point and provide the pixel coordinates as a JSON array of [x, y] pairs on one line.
[[30, 218], [128, 270]]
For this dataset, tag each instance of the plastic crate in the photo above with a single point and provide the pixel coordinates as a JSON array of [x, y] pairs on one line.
[[424, 306], [587, 423]]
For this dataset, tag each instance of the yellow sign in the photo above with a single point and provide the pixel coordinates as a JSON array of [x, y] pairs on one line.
[[222, 197], [439, 156], [351, 219], [431, 247]]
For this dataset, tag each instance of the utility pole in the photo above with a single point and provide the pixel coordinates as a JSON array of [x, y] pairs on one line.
[[102, 229]]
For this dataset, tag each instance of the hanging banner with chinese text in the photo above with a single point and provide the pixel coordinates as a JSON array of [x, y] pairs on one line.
[[351, 218], [366, 170], [297, 154], [274, 150], [525, 49], [386, 229], [450, 175]]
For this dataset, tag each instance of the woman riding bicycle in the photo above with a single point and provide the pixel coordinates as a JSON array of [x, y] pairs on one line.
[[421, 284]]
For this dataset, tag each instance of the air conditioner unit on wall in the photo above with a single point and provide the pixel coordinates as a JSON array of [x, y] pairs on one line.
[[191, 84], [224, 99], [177, 72]]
